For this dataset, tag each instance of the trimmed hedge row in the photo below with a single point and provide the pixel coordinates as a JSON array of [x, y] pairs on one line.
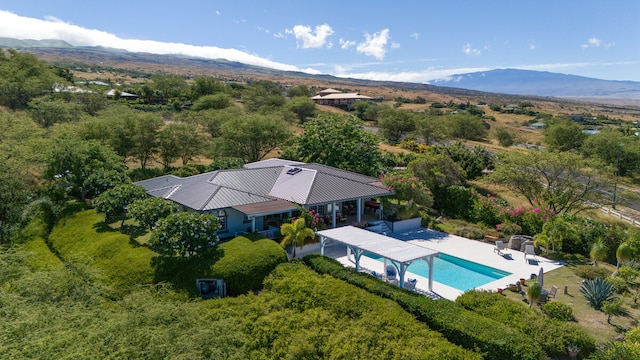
[[553, 335], [245, 264], [459, 325]]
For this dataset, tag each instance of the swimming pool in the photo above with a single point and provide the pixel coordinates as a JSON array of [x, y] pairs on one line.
[[455, 272]]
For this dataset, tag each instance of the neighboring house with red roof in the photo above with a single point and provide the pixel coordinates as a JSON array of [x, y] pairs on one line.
[[338, 98], [266, 192]]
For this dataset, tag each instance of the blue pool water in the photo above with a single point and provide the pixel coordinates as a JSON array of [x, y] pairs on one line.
[[454, 272]]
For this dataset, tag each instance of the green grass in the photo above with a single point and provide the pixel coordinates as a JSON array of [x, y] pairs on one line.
[[84, 237], [593, 320]]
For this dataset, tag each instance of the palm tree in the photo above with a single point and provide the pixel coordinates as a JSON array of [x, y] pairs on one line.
[[294, 234], [623, 253], [599, 251], [554, 232]]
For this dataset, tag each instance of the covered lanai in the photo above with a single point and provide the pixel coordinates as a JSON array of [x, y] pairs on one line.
[[400, 253]]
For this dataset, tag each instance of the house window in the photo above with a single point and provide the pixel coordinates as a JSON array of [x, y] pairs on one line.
[[222, 219], [318, 209]]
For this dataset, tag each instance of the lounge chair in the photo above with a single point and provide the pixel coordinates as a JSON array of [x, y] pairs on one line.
[[499, 248], [529, 250]]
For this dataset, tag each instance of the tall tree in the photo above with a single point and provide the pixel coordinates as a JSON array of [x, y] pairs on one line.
[[23, 77], [303, 107], [204, 85], [168, 85], [253, 136], [145, 138], [560, 180], [563, 135], [179, 140], [429, 128], [115, 201], [185, 234], [263, 96], [337, 141], [71, 161], [394, 124]]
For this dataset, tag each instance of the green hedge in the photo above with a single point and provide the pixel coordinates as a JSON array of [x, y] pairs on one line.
[[336, 320], [491, 338], [244, 264], [553, 335], [83, 237]]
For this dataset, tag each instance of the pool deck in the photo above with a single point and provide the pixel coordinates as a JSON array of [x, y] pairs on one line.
[[471, 250]]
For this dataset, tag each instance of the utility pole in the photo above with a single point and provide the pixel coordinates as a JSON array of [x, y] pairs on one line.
[[615, 183]]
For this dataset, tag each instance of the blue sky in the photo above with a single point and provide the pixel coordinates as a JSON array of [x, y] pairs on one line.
[[414, 41]]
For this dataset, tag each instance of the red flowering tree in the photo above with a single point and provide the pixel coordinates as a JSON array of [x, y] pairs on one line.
[[408, 188]]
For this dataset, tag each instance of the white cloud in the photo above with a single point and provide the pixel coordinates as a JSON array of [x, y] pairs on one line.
[[309, 40], [423, 76], [592, 42], [19, 27], [346, 44], [468, 50], [395, 45], [415, 36], [374, 45], [532, 46]]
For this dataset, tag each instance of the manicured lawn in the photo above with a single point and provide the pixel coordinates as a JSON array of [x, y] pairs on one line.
[[593, 320]]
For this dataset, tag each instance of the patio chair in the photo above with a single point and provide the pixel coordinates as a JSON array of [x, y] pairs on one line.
[[552, 292], [391, 273], [542, 299], [529, 250], [411, 284], [500, 248]]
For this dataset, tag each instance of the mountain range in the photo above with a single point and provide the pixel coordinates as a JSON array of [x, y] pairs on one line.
[[543, 83], [501, 81]]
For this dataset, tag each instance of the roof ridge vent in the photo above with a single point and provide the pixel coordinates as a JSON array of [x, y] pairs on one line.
[[294, 171]]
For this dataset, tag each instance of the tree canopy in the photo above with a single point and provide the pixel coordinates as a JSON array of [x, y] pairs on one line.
[[185, 234], [338, 141], [23, 77], [561, 181], [252, 136]]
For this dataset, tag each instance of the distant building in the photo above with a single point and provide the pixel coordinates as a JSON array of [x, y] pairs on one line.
[[334, 97], [123, 95]]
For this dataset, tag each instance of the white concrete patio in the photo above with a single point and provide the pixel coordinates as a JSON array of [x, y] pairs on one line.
[[472, 250]]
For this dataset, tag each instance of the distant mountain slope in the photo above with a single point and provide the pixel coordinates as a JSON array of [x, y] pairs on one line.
[[504, 83], [542, 83]]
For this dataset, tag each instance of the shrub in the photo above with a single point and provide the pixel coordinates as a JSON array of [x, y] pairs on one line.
[[471, 232], [591, 272], [463, 327], [619, 284], [553, 335], [558, 310], [597, 291], [245, 263]]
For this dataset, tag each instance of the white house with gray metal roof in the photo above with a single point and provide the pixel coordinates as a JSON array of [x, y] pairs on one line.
[[261, 194]]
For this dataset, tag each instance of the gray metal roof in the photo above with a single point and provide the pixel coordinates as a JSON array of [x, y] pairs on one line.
[[271, 163], [388, 247], [312, 184]]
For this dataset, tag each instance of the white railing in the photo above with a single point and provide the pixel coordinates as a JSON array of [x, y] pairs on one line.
[[270, 233], [618, 215]]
